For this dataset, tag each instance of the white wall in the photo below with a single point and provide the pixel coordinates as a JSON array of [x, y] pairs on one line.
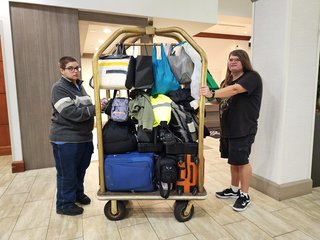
[[240, 8], [285, 52]]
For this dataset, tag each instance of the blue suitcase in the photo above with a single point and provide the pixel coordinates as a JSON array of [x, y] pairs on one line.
[[129, 172]]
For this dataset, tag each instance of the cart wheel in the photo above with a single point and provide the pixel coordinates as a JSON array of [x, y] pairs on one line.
[[119, 215], [179, 211]]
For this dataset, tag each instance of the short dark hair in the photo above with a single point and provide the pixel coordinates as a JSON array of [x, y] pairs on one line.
[[65, 60]]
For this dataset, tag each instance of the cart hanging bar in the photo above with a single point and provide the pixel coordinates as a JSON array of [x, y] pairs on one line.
[[141, 44]]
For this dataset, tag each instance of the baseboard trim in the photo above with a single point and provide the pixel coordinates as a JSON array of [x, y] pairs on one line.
[[5, 150], [17, 166], [281, 191]]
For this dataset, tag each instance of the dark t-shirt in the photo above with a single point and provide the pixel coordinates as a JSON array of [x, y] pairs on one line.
[[240, 117]]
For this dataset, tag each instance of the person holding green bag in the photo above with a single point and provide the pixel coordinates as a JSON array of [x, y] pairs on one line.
[[239, 101]]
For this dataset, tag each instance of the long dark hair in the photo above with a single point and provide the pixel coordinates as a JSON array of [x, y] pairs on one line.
[[245, 61]]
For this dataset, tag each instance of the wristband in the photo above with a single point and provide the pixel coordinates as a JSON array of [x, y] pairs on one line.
[[210, 99], [213, 93]]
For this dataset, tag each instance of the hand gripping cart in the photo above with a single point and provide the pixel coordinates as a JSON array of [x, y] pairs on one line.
[[115, 207]]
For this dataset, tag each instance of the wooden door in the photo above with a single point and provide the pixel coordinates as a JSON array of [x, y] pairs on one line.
[[5, 148], [41, 35]]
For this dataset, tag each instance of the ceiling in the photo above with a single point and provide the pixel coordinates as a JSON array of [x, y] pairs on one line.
[[232, 25], [93, 34]]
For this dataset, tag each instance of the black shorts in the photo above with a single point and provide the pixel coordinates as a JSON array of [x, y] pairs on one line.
[[237, 150]]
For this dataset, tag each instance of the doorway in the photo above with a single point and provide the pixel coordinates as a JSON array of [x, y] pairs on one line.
[[94, 29], [36, 51]]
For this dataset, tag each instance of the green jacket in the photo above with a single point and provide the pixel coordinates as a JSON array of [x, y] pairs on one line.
[[140, 108]]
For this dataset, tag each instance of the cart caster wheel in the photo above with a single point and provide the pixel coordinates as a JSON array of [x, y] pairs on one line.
[[119, 215], [179, 211]]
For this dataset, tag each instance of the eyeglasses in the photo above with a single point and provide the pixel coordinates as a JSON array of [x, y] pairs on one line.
[[73, 69], [234, 60]]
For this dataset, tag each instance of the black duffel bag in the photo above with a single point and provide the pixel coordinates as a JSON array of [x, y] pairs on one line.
[[119, 137], [166, 171]]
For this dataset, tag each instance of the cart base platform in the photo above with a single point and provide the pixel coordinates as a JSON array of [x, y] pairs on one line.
[[149, 196]]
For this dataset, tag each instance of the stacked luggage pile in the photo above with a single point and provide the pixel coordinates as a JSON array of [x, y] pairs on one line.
[[150, 140]]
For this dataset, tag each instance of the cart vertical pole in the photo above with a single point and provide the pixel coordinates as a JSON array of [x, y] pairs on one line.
[[97, 104]]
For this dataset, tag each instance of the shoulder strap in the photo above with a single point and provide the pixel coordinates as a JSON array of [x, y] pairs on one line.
[[164, 193], [115, 93]]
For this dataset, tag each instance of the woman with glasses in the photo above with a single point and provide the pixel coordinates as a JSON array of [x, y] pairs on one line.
[[71, 136], [239, 101]]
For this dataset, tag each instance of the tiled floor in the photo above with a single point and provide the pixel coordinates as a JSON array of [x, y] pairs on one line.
[[27, 211]]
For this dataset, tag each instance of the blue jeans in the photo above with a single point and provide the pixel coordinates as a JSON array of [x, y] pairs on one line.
[[72, 160]]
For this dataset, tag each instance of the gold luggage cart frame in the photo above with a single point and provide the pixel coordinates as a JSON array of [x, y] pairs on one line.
[[115, 208]]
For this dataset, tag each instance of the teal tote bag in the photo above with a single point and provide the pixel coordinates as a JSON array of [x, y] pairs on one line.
[[164, 80]]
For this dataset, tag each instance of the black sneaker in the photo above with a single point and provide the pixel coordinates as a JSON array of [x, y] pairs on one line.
[[83, 199], [73, 210], [228, 193], [241, 203]]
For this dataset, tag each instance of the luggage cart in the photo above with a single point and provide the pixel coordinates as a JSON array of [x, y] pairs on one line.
[[115, 208]]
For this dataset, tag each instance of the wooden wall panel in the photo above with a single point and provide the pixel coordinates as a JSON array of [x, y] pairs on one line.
[[5, 145], [41, 35], [2, 86], [3, 110], [4, 133]]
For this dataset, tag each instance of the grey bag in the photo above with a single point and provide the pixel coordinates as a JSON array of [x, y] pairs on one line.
[[180, 63], [120, 109]]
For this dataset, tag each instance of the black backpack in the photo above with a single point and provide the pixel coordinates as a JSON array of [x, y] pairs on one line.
[[119, 137], [180, 119], [166, 172]]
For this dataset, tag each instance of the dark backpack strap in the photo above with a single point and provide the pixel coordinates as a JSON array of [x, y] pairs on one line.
[[91, 82], [155, 135], [186, 162], [120, 49], [158, 169], [115, 93], [164, 193]]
